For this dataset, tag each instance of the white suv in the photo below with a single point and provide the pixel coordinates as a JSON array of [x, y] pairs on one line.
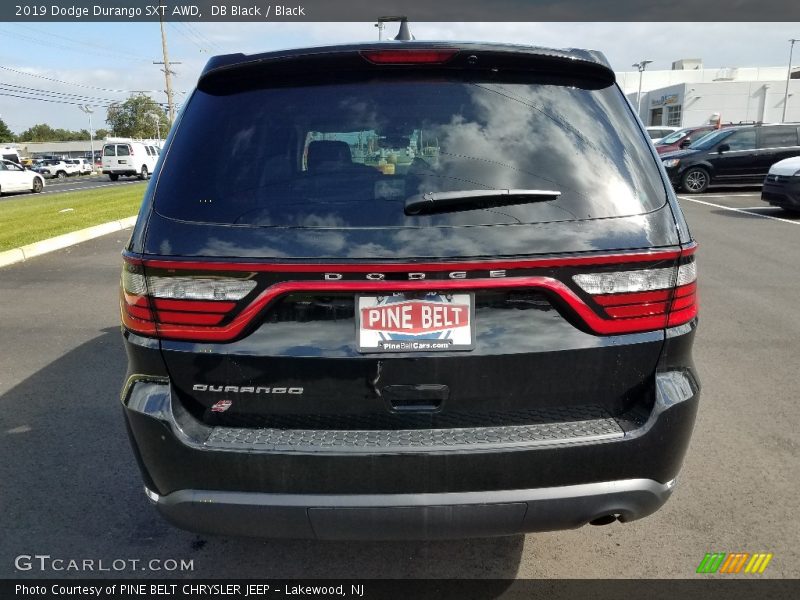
[[55, 167], [84, 166], [129, 158]]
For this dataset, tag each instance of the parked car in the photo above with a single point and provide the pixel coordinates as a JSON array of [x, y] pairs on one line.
[[782, 184], [656, 133], [83, 166], [740, 155], [16, 178], [10, 153], [130, 158], [678, 140], [491, 337], [56, 168]]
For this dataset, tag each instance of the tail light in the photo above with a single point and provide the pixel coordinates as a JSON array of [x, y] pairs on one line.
[[217, 301], [409, 57], [156, 304], [643, 299]]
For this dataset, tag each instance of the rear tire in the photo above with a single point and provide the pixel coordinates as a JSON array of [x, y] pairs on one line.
[[144, 173], [61, 175], [37, 185], [695, 180], [113, 176]]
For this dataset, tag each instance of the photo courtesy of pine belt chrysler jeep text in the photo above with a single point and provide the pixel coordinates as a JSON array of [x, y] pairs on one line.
[[408, 290]]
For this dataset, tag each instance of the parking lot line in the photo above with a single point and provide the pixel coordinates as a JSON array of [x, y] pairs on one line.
[[741, 210], [743, 195]]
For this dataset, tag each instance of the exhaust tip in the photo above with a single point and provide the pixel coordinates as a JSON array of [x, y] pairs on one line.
[[604, 520]]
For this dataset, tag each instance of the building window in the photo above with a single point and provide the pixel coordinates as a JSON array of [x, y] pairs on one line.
[[655, 116], [674, 116]]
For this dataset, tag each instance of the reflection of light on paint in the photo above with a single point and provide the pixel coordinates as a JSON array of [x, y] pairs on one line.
[[623, 196], [20, 429]]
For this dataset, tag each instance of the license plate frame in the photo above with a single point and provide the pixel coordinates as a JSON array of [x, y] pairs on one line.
[[438, 338]]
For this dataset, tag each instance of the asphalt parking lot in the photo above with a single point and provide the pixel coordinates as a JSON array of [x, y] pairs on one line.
[[71, 489]]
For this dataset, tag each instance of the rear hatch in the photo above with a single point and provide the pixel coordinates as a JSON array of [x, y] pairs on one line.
[[438, 238], [117, 157]]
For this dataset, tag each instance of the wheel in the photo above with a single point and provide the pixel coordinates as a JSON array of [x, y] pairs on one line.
[[695, 180], [144, 174], [61, 174], [113, 176], [37, 185]]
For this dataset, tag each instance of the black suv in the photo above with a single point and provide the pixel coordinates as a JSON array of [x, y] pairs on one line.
[[426, 290], [740, 155]]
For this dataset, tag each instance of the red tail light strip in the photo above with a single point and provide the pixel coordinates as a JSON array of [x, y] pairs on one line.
[[409, 57], [196, 320], [194, 306], [637, 298], [235, 327], [637, 310]]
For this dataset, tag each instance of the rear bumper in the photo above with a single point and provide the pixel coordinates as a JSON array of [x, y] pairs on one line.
[[410, 516], [390, 484], [119, 172]]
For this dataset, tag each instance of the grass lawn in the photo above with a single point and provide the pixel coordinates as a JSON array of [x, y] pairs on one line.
[[27, 218]]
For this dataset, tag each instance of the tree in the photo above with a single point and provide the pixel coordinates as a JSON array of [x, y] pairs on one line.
[[137, 117], [5, 133], [42, 132]]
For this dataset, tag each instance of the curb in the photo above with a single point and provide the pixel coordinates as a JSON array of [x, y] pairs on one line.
[[23, 253]]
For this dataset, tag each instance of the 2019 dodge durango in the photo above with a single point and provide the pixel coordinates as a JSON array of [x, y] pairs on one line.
[[426, 290]]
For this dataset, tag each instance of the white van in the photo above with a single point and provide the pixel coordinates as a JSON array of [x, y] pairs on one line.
[[131, 158]]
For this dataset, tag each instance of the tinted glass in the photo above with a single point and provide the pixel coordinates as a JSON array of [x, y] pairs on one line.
[[778, 137], [711, 139], [350, 155], [742, 140], [123, 150], [109, 151], [674, 137]]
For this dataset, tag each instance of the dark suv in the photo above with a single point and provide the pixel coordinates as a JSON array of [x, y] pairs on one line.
[[737, 155], [427, 290]]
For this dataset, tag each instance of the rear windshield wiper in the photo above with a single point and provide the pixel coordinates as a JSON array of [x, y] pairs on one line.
[[439, 202]]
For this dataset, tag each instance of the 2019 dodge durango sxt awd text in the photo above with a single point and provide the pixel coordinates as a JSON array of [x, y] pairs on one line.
[[427, 290]]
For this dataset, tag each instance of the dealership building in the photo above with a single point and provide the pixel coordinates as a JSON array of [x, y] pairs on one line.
[[689, 94]]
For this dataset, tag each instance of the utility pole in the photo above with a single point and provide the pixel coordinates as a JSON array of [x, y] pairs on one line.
[[89, 110], [641, 65], [788, 79], [168, 73]]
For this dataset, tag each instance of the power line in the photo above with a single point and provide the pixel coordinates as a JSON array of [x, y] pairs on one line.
[[195, 41], [49, 44], [200, 35], [80, 85], [90, 45], [49, 100], [26, 89]]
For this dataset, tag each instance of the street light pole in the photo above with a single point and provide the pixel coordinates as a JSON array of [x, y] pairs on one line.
[[89, 110], [641, 66], [788, 78]]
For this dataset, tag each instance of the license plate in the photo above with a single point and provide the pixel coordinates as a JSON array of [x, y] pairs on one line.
[[415, 322]]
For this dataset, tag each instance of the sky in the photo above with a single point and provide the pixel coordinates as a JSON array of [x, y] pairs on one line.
[[97, 63]]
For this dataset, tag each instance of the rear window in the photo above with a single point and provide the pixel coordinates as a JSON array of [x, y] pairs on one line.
[[109, 151], [350, 155], [123, 150]]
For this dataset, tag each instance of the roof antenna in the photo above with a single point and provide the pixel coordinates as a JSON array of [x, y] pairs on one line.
[[403, 34]]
